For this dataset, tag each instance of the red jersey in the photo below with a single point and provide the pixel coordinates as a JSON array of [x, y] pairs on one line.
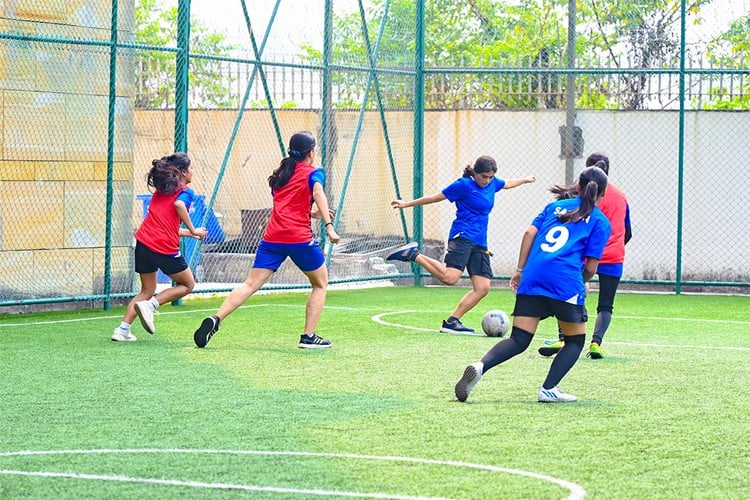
[[614, 204], [160, 231], [290, 217]]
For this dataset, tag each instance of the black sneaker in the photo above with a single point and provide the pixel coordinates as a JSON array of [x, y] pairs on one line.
[[207, 329], [313, 342]]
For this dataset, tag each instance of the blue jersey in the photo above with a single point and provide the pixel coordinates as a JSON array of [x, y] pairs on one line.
[[555, 265], [473, 207]]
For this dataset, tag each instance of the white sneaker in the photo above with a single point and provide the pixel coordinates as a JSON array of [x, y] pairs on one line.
[[145, 312], [471, 376], [555, 395], [122, 336]]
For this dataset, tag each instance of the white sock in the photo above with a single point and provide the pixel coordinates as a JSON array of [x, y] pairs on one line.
[[125, 327], [154, 302]]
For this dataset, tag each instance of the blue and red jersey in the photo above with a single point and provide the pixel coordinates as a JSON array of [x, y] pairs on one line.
[[290, 221], [160, 231]]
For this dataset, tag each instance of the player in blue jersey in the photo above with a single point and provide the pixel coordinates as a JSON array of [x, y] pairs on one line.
[[550, 281], [474, 196]]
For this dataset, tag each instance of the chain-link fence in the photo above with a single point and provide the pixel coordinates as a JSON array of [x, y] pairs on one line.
[[401, 94]]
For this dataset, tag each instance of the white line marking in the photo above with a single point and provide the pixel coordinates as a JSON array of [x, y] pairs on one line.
[[378, 319], [576, 492]]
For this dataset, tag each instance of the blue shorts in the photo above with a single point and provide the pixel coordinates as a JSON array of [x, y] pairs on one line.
[[306, 256], [538, 306], [147, 261]]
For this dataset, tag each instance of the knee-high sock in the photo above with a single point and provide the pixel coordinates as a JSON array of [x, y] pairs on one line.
[[603, 318], [564, 360], [518, 342]]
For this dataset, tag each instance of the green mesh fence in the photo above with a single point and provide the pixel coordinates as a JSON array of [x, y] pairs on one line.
[[401, 95]]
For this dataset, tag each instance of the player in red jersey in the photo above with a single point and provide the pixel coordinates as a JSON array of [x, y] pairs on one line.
[[294, 186], [158, 242]]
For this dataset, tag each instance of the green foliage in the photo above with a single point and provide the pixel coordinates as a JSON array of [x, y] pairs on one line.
[[156, 25], [642, 34], [663, 415]]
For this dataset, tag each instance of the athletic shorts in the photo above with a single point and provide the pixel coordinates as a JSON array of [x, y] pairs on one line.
[[306, 256], [539, 306], [464, 254], [147, 261]]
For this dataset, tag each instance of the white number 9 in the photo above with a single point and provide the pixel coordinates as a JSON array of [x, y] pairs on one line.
[[555, 238]]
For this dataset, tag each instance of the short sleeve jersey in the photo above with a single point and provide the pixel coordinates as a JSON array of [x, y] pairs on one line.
[[473, 207], [290, 217], [160, 231], [614, 205], [554, 267]]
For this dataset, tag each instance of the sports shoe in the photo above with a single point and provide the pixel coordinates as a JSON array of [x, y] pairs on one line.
[[145, 311], [405, 253], [208, 327], [471, 376], [595, 351], [455, 327], [120, 335], [555, 395], [313, 342], [550, 348]]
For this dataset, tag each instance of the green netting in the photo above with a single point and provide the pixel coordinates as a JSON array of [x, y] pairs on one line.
[[400, 104]]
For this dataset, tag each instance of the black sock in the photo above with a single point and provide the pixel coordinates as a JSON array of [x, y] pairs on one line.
[[565, 359], [451, 319], [518, 342], [603, 318]]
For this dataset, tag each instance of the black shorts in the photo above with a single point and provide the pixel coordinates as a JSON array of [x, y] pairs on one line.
[[464, 254], [147, 261], [538, 306]]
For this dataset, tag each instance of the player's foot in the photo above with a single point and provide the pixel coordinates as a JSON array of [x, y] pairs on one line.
[[405, 253], [313, 342], [145, 311], [208, 327], [469, 379], [555, 395], [455, 327], [120, 335], [550, 348], [595, 351]]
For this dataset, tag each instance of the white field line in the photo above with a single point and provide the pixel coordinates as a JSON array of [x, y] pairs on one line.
[[576, 492]]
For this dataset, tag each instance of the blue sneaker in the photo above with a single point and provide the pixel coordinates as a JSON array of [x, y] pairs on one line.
[[455, 327], [406, 253]]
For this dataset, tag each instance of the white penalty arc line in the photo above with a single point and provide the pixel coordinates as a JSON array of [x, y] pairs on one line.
[[576, 492], [378, 318]]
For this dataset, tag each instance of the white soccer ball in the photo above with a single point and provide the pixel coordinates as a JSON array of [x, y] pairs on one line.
[[495, 323]]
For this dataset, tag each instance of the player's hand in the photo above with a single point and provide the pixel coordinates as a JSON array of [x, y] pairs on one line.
[[514, 281], [531, 178], [199, 233], [398, 204], [333, 236]]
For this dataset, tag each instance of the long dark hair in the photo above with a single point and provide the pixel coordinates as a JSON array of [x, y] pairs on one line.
[[563, 192], [165, 174], [599, 160], [591, 184], [300, 144], [482, 165]]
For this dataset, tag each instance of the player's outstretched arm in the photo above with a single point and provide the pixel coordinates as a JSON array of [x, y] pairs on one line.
[[425, 200], [512, 183]]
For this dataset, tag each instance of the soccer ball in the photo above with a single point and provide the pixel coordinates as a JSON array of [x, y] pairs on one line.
[[495, 323]]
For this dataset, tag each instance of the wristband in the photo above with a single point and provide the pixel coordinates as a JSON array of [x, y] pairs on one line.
[[519, 269], [329, 224]]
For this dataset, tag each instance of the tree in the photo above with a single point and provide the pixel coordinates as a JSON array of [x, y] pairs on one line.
[[731, 50], [156, 25], [517, 36]]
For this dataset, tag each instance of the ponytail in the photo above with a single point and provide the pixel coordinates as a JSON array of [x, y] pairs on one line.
[[591, 185], [165, 175]]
